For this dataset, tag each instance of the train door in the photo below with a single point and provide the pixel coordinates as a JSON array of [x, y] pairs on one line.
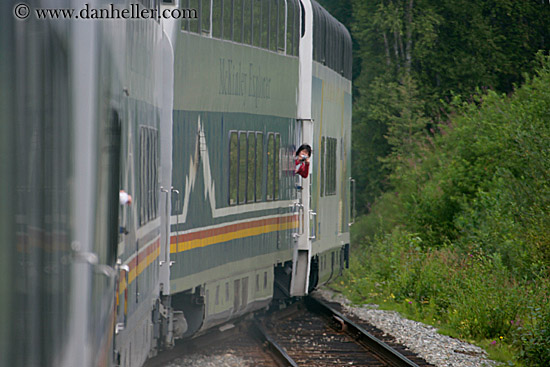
[[104, 280], [302, 206]]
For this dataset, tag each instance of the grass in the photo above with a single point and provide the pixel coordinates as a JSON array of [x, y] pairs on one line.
[[460, 241], [366, 287]]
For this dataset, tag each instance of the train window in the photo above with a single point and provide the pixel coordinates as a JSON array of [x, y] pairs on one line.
[[259, 165], [242, 167], [303, 19], [217, 300], [152, 4], [273, 14], [317, 35], [194, 23], [233, 167], [331, 172], [327, 43], [148, 4], [296, 31], [264, 33], [322, 37], [281, 31], [244, 293], [148, 174], [184, 4], [236, 297], [290, 173], [331, 42], [348, 57], [238, 20], [256, 22], [276, 169], [217, 8], [270, 165], [334, 167], [226, 291], [205, 17], [250, 190], [107, 182], [247, 21], [265, 279], [328, 186], [328, 166], [290, 28], [227, 19], [257, 282], [322, 183], [246, 166], [339, 54]]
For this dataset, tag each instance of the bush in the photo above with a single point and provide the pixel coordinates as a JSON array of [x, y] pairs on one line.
[[473, 295], [486, 300], [465, 234], [535, 338]]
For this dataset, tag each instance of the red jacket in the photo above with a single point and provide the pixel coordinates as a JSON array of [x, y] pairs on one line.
[[302, 168]]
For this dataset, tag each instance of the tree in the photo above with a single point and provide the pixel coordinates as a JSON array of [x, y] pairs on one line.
[[441, 47]]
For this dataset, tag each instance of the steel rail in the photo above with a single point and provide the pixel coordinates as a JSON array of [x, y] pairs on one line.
[[362, 336], [281, 356]]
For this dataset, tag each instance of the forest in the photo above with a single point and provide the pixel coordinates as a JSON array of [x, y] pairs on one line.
[[451, 153]]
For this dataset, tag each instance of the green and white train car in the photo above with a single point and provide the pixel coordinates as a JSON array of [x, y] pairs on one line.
[[253, 80]]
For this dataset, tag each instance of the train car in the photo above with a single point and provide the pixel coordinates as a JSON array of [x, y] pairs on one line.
[[57, 290], [330, 105], [235, 93], [83, 102], [198, 119], [252, 82], [144, 67]]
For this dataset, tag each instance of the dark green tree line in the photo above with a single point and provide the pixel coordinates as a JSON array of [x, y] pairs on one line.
[[422, 53]]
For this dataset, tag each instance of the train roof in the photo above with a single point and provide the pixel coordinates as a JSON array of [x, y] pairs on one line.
[[332, 44]]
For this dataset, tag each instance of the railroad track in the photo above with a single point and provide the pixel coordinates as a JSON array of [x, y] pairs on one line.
[[308, 333], [318, 335]]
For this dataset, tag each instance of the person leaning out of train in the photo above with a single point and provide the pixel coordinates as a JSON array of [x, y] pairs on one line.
[[302, 160]]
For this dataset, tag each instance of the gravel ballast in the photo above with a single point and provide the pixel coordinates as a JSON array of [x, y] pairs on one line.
[[424, 340]]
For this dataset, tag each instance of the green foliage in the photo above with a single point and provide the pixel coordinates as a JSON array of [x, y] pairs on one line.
[[406, 127], [464, 235], [441, 48], [472, 296], [487, 302], [368, 144], [453, 173], [535, 338], [484, 183]]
